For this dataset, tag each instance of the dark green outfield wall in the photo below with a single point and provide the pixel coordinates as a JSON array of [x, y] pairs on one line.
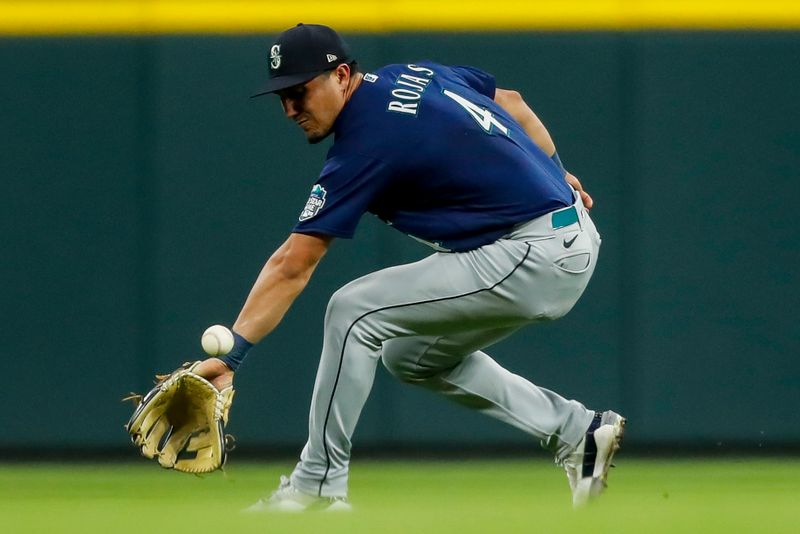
[[143, 191]]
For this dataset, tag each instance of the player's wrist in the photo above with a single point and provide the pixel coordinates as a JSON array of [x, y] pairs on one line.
[[234, 358]]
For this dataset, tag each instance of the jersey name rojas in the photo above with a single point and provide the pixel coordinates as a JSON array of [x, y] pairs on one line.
[[410, 89]]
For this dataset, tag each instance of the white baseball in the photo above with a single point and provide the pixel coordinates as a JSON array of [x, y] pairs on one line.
[[217, 340]]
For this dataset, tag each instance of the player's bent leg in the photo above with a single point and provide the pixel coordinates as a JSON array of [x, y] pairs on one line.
[[506, 284], [479, 382], [400, 301]]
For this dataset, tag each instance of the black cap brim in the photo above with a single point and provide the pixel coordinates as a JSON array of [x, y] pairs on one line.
[[284, 82]]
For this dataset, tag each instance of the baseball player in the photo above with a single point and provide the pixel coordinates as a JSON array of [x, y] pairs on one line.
[[442, 155]]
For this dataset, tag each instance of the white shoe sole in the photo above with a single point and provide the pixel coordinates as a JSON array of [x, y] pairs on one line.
[[608, 438], [291, 507], [263, 506]]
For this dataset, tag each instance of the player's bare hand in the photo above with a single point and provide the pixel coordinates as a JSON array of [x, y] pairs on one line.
[[576, 184], [216, 372]]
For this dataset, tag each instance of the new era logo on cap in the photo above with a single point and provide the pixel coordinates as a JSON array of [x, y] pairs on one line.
[[303, 52]]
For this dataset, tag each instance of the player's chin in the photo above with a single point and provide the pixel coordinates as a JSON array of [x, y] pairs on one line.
[[314, 137]]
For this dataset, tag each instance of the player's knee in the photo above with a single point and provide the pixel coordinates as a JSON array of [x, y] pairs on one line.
[[337, 300], [399, 368], [407, 371], [394, 366], [355, 298], [341, 306], [347, 320]]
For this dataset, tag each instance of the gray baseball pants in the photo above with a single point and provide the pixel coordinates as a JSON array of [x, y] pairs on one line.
[[428, 322]]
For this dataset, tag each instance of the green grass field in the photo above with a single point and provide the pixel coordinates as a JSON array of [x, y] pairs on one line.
[[645, 496]]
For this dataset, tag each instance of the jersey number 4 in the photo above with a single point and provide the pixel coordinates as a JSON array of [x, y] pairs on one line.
[[483, 117]]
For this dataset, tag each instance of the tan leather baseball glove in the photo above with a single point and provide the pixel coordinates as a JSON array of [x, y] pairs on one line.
[[181, 422]]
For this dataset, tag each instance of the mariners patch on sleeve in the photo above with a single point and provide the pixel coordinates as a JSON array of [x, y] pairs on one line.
[[315, 202]]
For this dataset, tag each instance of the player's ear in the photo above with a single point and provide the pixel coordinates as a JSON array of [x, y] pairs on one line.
[[342, 73]]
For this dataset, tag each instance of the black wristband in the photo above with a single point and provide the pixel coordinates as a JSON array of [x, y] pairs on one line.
[[237, 354]]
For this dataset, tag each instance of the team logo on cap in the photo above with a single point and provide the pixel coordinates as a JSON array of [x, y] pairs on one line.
[[275, 56], [315, 202]]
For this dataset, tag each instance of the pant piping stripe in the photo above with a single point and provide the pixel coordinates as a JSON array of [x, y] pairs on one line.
[[347, 335]]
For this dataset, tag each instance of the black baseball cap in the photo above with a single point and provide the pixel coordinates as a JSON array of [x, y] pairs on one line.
[[301, 53]]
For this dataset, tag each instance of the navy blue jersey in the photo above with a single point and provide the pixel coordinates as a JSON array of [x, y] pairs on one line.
[[425, 148]]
